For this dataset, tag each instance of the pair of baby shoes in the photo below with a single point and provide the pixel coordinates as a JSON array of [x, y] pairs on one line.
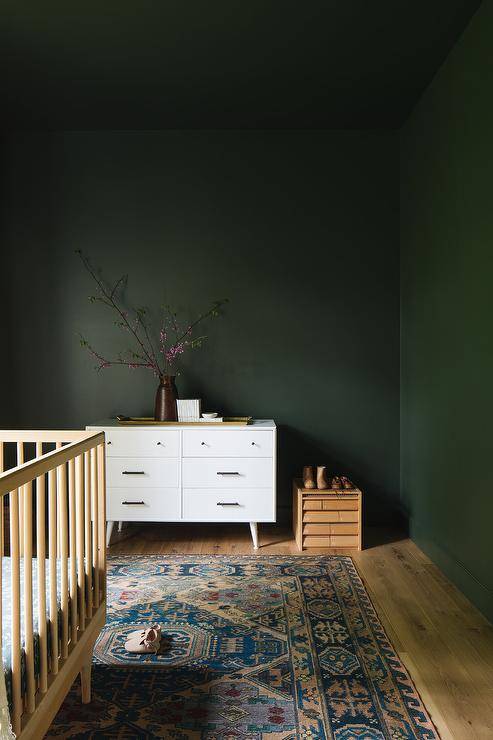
[[145, 640]]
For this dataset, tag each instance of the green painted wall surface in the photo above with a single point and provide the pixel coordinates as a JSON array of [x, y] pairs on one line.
[[6, 366], [447, 304], [300, 230]]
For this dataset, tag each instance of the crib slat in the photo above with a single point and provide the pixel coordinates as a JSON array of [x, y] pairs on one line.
[[87, 522], [41, 562], [20, 461], [95, 524], [52, 542], [15, 576], [79, 502], [102, 518], [28, 597], [63, 534], [73, 554], [58, 446]]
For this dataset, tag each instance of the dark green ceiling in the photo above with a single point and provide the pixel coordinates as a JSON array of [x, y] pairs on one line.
[[222, 64]]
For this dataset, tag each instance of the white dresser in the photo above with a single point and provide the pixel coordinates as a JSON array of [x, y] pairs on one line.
[[206, 473]]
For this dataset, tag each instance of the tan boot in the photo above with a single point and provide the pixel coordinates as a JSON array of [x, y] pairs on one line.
[[308, 477], [322, 482]]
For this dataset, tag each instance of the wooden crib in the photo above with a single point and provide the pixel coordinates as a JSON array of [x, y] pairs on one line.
[[53, 561]]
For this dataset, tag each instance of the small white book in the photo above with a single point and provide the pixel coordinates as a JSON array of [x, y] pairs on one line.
[[188, 409]]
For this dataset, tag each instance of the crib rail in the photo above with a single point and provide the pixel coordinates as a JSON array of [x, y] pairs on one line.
[[54, 489]]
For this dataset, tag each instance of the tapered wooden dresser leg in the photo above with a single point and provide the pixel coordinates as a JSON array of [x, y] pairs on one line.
[[109, 530], [254, 531]]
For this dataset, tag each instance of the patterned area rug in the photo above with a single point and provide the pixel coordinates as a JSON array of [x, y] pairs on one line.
[[255, 648]]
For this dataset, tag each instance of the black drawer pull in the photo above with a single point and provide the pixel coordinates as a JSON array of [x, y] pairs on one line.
[[219, 473], [133, 503], [133, 472], [223, 503]]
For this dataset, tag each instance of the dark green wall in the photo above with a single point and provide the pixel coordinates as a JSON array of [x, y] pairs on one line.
[[300, 230], [6, 365], [447, 305]]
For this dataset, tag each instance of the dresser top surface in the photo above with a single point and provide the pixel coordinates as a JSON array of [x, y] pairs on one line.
[[258, 424]]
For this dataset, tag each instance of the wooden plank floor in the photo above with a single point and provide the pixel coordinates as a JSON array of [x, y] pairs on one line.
[[446, 644]]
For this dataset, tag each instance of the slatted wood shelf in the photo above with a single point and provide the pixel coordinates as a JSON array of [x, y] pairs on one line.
[[330, 516], [327, 519], [331, 528]]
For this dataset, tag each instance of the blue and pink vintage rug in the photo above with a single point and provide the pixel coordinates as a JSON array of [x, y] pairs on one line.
[[255, 648]]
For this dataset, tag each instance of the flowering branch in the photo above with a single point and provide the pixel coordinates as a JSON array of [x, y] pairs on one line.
[[104, 363], [139, 329], [108, 298]]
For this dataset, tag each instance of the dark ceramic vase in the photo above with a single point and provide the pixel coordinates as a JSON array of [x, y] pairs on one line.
[[165, 409]]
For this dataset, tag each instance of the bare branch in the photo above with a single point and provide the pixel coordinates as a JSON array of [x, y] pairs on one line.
[[110, 302]]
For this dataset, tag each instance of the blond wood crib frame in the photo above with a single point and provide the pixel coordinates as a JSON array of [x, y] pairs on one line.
[[63, 492]]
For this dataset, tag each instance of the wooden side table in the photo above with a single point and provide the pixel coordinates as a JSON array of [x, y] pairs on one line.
[[331, 519]]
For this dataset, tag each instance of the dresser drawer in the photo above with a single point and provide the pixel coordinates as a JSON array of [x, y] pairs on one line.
[[142, 472], [150, 504], [142, 443], [233, 472], [229, 505], [226, 443]]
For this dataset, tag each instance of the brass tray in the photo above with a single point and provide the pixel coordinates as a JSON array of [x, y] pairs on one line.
[[228, 421]]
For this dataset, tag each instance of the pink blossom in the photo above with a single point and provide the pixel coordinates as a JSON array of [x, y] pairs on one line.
[[174, 351]]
